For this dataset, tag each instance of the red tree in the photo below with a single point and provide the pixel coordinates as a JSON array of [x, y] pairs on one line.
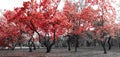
[[9, 33], [104, 19], [43, 17]]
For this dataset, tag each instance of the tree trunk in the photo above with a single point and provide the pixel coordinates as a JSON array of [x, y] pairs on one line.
[[48, 44], [48, 49], [76, 46], [103, 45], [14, 45], [30, 47], [109, 44], [94, 43], [87, 44], [33, 44], [68, 42]]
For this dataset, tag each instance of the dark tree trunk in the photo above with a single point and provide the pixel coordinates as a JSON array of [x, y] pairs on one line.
[[76, 42], [68, 43], [94, 43], [103, 45], [76, 45], [13, 48], [87, 43], [49, 47], [109, 44], [34, 47], [30, 47], [38, 35], [14, 45], [30, 44]]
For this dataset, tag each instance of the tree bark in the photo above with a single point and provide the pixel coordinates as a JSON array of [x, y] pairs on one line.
[[103, 45], [87, 44], [48, 50], [13, 46], [49, 45], [109, 44], [30, 44], [69, 47], [76, 45], [34, 47], [76, 42], [30, 47]]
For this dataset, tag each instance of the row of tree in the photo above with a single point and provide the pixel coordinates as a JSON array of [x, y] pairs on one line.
[[45, 19]]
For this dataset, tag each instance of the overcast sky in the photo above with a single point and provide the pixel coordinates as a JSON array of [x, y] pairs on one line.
[[10, 4]]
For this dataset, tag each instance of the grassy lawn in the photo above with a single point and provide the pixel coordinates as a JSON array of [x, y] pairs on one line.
[[61, 52]]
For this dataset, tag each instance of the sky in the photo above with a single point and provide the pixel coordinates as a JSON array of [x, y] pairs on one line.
[[118, 10], [10, 4]]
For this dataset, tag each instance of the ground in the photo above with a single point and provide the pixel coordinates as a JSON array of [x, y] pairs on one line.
[[61, 52]]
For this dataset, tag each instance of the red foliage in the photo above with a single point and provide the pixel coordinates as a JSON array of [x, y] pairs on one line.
[[8, 34], [45, 17]]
